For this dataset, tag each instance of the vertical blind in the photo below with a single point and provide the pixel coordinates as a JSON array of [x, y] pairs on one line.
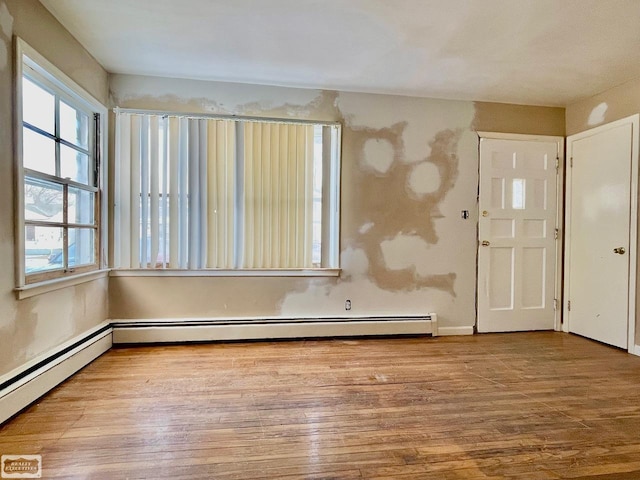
[[197, 193], [277, 180]]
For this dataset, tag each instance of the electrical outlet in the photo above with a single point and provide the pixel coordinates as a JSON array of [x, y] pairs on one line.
[[347, 305]]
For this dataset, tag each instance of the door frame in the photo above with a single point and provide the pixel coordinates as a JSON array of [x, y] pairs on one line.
[[560, 141], [634, 121]]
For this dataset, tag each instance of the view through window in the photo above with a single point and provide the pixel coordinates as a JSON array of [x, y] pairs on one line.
[[59, 178]]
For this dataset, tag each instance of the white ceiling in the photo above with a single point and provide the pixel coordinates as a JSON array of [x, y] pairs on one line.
[[542, 52]]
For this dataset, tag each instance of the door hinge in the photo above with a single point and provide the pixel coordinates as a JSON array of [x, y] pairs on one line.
[[555, 304], [555, 234], [557, 163], [571, 162], [569, 305]]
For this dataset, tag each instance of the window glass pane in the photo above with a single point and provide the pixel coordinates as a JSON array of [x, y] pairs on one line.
[[74, 165], [43, 248], [81, 246], [38, 106], [42, 200], [81, 206], [74, 125], [518, 194], [38, 152]]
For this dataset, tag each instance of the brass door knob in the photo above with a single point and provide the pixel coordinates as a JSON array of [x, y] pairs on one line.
[[619, 250], [485, 243]]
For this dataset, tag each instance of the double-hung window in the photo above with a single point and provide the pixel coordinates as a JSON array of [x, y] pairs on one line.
[[59, 177], [226, 194]]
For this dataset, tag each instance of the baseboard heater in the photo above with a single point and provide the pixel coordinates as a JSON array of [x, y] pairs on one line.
[[203, 330], [21, 387]]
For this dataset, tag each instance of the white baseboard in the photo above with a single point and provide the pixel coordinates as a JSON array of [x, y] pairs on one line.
[[25, 385], [455, 331], [185, 330]]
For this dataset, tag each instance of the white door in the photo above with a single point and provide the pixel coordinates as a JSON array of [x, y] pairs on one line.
[[517, 234], [599, 233]]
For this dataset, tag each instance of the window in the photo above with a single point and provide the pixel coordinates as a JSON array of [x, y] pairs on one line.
[[58, 173], [219, 193]]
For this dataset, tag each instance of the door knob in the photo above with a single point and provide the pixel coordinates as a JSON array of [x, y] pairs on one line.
[[619, 250], [485, 243]]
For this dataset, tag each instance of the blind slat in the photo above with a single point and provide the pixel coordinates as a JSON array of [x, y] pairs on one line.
[[154, 191], [190, 196], [174, 205], [203, 157], [144, 191], [183, 163], [122, 229], [164, 215], [134, 230], [193, 202]]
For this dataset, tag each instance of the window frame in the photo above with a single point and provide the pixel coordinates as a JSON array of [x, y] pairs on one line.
[[28, 61], [331, 192]]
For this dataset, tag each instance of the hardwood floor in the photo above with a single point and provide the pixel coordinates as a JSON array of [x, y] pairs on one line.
[[519, 406]]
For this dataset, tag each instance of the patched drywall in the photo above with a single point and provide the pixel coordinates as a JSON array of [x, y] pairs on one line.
[[33, 326], [416, 196], [194, 96], [409, 166], [597, 115], [606, 107], [378, 154]]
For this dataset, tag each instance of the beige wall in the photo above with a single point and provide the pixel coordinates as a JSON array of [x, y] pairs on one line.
[[505, 118], [409, 167], [613, 104], [33, 326]]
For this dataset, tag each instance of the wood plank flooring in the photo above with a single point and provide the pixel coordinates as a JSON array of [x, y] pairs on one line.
[[528, 406]]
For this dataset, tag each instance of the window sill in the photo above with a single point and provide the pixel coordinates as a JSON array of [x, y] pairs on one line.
[[267, 272], [39, 288]]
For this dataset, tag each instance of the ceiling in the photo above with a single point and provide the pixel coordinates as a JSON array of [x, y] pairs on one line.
[[539, 52]]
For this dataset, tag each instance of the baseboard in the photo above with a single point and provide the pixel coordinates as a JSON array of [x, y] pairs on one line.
[[455, 331], [203, 330], [23, 386], [635, 350]]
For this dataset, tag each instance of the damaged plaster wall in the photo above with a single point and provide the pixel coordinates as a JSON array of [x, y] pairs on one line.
[[606, 107], [35, 325], [409, 167]]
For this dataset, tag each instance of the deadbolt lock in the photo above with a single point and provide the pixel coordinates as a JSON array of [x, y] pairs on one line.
[[619, 250], [485, 243], [485, 213]]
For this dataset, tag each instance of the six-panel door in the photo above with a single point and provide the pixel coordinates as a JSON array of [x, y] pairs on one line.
[[517, 235]]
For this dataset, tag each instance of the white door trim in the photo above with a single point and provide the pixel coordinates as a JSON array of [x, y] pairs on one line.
[[559, 213], [634, 120]]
